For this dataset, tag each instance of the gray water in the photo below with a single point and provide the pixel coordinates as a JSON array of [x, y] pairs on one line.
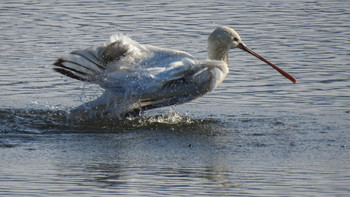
[[257, 134]]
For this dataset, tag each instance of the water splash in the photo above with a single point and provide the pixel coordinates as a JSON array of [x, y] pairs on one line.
[[170, 118]]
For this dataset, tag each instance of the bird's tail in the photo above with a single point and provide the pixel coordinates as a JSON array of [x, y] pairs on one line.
[[84, 65]]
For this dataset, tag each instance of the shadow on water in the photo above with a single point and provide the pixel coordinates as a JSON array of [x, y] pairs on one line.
[[57, 121], [25, 123]]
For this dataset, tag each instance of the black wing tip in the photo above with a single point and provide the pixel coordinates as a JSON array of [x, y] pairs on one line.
[[61, 68], [69, 74], [58, 62]]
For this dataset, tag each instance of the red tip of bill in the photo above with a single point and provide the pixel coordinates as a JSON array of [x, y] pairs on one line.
[[285, 74]]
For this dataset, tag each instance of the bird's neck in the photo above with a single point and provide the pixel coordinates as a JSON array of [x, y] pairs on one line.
[[218, 53]]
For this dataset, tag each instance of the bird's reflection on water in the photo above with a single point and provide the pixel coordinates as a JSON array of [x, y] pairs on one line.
[[154, 157]]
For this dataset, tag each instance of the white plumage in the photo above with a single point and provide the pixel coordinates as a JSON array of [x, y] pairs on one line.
[[140, 77]]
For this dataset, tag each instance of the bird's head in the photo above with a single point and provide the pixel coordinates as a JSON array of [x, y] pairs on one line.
[[224, 38]]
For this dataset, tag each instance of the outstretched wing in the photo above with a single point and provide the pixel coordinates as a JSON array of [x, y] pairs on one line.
[[88, 64], [82, 65]]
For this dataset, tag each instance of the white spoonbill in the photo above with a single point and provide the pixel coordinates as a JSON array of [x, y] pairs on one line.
[[140, 77]]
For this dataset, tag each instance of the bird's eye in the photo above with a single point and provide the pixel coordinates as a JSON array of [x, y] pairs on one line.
[[235, 39]]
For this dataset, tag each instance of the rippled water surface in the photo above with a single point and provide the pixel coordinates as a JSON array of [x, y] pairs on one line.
[[255, 135]]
